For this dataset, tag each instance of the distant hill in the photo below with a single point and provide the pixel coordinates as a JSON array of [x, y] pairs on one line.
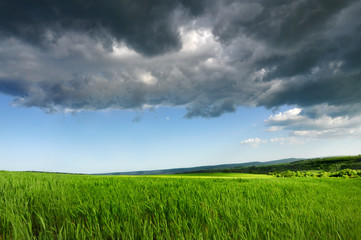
[[326, 164], [292, 164], [211, 168]]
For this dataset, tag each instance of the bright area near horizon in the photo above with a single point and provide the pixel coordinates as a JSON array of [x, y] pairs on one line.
[[109, 141]]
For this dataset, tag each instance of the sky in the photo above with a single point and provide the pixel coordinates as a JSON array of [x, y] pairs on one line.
[[105, 86]]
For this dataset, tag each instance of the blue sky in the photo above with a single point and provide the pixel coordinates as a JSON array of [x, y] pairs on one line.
[[108, 141], [162, 84]]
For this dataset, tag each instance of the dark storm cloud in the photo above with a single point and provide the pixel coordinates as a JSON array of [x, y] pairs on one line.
[[148, 27], [344, 89], [314, 50], [207, 56], [14, 87], [280, 23]]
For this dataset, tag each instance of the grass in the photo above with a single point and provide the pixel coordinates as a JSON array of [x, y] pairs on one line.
[[58, 206], [204, 175], [224, 175]]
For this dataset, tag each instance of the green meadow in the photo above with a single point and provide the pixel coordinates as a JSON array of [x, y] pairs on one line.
[[208, 175], [188, 206]]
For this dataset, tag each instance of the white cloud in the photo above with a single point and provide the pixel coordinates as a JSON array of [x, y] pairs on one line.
[[147, 78], [121, 51], [292, 114], [302, 127], [254, 142], [286, 140], [277, 139], [323, 126], [194, 39], [274, 128]]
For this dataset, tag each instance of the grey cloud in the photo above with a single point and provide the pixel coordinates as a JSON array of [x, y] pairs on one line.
[[317, 111], [210, 109], [207, 56], [14, 87], [334, 90], [299, 35], [148, 27], [280, 23]]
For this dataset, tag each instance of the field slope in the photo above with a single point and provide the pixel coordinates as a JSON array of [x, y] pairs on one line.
[[59, 206], [315, 164]]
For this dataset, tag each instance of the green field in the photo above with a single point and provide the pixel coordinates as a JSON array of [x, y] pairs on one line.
[[207, 175], [60, 206]]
